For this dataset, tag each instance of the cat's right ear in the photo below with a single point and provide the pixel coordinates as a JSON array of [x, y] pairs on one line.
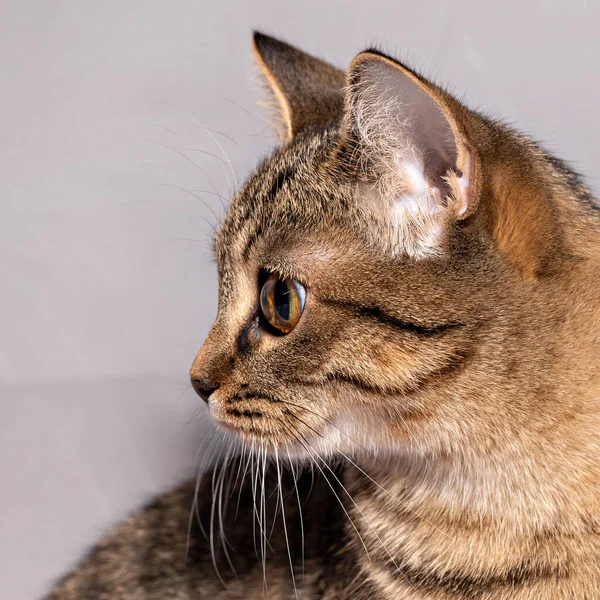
[[307, 92]]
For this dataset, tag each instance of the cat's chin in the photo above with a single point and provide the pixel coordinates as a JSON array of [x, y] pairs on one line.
[[276, 443], [257, 433]]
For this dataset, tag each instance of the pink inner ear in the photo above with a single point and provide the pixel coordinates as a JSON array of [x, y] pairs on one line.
[[460, 185], [407, 137], [428, 193], [402, 125]]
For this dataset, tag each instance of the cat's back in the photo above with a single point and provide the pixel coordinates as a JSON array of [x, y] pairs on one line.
[[144, 556]]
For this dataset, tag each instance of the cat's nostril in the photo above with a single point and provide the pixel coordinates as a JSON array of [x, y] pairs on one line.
[[203, 388]]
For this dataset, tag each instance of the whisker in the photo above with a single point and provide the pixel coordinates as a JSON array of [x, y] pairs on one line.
[[264, 517], [208, 192], [221, 133], [302, 441], [404, 505], [188, 159], [211, 533], [275, 513], [204, 152], [163, 128], [254, 473], [362, 514], [224, 542], [259, 513], [191, 193], [299, 509], [329, 422], [212, 446], [193, 512], [247, 453], [285, 531], [226, 488], [238, 105], [228, 162]]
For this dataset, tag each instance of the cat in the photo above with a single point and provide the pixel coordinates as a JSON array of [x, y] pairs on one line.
[[407, 346]]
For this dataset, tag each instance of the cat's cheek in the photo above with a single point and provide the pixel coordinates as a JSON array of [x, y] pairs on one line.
[[263, 342], [219, 407]]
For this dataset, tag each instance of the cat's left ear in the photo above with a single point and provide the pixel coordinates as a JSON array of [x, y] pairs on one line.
[[405, 134], [307, 92]]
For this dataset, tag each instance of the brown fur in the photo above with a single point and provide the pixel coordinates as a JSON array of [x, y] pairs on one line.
[[455, 396]]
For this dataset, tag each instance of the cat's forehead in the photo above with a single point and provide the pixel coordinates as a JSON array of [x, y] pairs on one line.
[[297, 188]]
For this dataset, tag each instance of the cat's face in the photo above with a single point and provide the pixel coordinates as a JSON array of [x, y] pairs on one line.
[[353, 300], [365, 328]]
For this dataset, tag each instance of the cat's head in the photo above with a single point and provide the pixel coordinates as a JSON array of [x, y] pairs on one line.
[[372, 269]]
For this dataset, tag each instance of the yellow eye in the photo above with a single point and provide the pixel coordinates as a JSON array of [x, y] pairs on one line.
[[282, 302]]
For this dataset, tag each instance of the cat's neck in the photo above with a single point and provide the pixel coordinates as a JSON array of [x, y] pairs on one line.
[[450, 527]]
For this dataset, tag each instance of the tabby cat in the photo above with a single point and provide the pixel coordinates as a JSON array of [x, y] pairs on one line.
[[407, 351]]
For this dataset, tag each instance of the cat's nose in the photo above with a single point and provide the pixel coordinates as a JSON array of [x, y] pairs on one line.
[[202, 388]]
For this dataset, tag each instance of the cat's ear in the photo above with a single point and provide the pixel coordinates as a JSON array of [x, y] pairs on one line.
[[402, 132], [308, 92]]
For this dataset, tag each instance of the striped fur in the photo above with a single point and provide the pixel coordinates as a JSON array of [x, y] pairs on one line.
[[431, 427]]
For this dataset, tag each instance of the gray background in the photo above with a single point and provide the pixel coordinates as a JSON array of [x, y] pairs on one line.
[[107, 205]]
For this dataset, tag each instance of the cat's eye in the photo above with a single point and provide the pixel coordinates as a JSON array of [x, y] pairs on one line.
[[282, 302]]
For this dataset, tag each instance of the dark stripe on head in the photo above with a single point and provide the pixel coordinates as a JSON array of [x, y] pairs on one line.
[[252, 239], [281, 179], [284, 176], [376, 313]]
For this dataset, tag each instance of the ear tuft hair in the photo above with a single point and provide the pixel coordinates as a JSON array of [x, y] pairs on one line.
[[402, 133]]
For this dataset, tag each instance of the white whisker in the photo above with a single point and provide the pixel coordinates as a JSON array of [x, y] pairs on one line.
[[212, 445], [299, 509], [233, 183], [211, 532], [302, 441], [285, 531]]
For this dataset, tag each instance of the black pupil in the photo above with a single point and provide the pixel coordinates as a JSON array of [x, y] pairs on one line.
[[281, 295]]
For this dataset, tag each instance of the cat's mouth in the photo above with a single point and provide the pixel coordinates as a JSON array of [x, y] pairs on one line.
[[266, 419]]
